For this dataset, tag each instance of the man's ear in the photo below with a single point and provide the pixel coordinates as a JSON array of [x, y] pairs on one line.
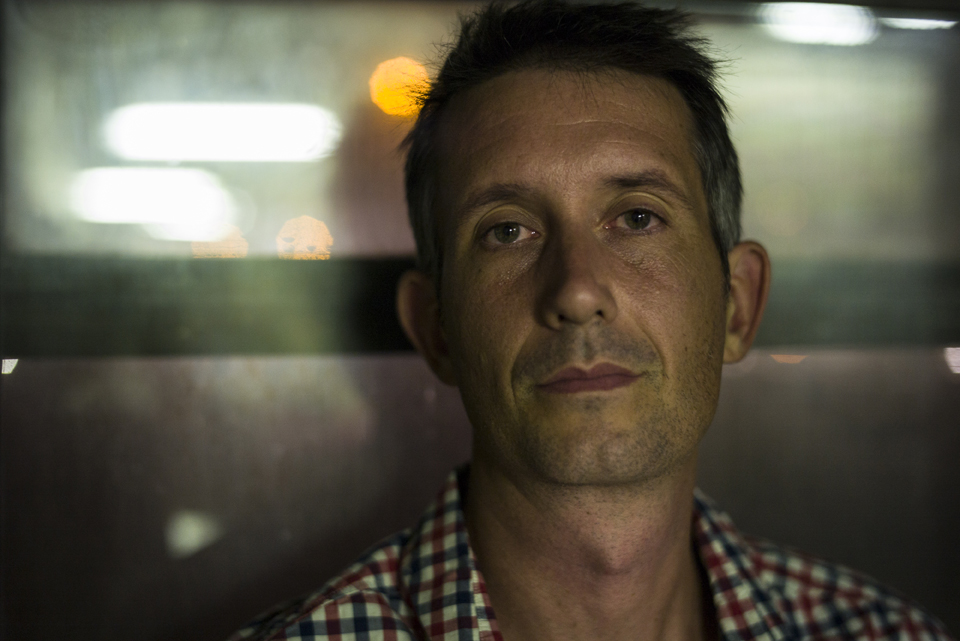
[[419, 312], [749, 286]]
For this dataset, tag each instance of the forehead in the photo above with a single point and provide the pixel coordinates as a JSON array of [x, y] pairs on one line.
[[557, 132]]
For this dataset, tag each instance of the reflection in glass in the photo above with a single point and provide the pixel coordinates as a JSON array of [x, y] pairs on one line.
[[844, 150], [790, 359], [171, 203], [952, 356], [813, 23], [232, 245], [395, 83], [222, 132], [917, 23], [304, 238], [189, 531]]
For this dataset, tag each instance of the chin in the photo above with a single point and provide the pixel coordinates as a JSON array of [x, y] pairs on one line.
[[624, 457]]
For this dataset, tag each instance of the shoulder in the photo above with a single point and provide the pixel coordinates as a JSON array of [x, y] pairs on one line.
[[763, 590], [366, 601], [822, 600], [373, 598]]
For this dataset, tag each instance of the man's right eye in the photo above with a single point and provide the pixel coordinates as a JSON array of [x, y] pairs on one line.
[[507, 233]]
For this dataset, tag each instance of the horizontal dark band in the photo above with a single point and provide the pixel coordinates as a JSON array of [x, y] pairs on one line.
[[59, 306]]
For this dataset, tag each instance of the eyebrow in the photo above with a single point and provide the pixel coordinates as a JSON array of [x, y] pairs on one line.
[[652, 178], [498, 192]]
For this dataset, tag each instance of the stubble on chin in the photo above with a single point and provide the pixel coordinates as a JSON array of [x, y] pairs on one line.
[[631, 436], [602, 445], [627, 436]]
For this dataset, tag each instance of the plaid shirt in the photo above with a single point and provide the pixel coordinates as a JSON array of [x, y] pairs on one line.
[[423, 583]]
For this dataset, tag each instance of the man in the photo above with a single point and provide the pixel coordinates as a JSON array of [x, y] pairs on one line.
[[575, 199]]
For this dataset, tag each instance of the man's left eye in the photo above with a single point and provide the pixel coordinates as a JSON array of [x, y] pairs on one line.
[[639, 219]]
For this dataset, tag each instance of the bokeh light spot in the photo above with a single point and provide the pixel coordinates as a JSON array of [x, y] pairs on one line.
[[817, 23], [791, 359], [395, 84], [304, 238], [917, 23], [233, 245], [189, 531], [172, 203], [225, 132], [952, 356]]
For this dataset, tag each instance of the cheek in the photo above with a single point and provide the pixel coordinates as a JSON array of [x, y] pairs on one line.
[[473, 323], [703, 324], [488, 324], [680, 295], [682, 305]]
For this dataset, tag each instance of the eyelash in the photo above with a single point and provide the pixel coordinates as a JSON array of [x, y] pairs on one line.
[[489, 234], [655, 218]]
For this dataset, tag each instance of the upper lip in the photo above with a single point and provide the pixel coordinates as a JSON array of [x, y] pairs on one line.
[[597, 371]]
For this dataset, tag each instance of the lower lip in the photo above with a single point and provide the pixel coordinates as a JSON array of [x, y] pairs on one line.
[[598, 384]]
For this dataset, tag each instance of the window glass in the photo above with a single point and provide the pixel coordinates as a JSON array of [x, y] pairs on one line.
[[111, 152], [846, 150]]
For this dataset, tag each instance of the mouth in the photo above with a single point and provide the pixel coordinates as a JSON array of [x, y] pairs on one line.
[[605, 376]]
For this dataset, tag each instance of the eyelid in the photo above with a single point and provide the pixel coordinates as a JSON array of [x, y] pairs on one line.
[[645, 202], [656, 222], [503, 215], [487, 236], [647, 199]]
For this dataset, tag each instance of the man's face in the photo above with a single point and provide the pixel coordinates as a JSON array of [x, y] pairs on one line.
[[577, 244]]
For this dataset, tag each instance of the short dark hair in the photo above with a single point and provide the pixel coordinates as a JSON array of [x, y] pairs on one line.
[[559, 35]]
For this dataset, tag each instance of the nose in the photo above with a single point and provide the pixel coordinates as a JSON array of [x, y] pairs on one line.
[[576, 283]]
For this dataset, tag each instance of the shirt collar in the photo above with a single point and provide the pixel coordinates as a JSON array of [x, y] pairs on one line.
[[745, 609], [439, 570], [446, 590]]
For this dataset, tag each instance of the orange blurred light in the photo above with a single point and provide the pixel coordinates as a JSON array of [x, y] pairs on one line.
[[304, 238], [233, 245], [793, 359], [395, 84]]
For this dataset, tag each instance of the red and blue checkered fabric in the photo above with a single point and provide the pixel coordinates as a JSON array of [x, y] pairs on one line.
[[423, 583]]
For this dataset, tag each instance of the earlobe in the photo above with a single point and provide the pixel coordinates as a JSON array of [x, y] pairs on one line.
[[749, 287], [419, 313]]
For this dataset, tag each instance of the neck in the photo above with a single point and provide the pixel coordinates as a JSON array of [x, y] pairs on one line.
[[610, 562]]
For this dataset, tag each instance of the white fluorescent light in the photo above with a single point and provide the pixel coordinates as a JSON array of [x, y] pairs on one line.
[[173, 203], [952, 356], [917, 23], [813, 23], [8, 365], [232, 132]]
